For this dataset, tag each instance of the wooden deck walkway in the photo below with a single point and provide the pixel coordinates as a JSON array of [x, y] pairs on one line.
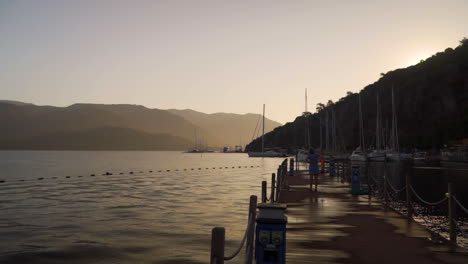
[[332, 226]]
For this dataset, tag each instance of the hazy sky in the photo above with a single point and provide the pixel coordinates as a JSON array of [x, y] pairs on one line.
[[214, 56]]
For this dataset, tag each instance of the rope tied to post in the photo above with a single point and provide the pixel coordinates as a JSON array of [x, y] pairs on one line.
[[237, 251], [459, 204], [393, 188], [424, 201]]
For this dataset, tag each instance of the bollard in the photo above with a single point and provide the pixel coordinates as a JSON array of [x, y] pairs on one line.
[[264, 191], [278, 183], [451, 212], [409, 206], [272, 194], [217, 245], [270, 244], [251, 230]]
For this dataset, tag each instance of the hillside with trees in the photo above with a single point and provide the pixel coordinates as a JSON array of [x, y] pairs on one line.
[[431, 100]]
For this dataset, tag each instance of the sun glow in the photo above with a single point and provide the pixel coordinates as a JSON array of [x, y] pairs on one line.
[[417, 58]]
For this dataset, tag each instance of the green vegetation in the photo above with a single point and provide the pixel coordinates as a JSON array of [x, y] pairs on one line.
[[431, 104]]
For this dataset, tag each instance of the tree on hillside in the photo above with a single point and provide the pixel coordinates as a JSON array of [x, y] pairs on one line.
[[319, 107], [464, 41]]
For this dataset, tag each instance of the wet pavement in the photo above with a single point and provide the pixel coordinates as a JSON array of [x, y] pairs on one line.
[[333, 226]]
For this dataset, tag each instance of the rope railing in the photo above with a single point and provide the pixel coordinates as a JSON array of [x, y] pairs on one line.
[[218, 239], [459, 204], [424, 201], [440, 217], [393, 188], [236, 252]]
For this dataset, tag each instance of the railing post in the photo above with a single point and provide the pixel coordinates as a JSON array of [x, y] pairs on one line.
[[264, 191], [278, 183], [249, 247], [272, 194], [409, 206], [385, 191], [217, 245], [451, 216]]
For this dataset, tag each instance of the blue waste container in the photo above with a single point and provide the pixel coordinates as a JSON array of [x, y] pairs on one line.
[[291, 167], [331, 168], [355, 179], [270, 233]]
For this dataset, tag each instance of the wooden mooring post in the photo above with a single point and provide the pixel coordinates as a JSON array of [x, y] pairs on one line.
[[249, 247], [409, 206], [272, 194], [451, 212], [385, 191], [217, 245], [264, 191]]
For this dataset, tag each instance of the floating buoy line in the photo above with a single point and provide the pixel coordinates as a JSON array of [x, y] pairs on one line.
[[140, 173]]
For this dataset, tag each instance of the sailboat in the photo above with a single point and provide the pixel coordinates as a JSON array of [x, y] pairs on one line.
[[302, 154], [268, 153], [394, 154], [359, 154], [377, 154]]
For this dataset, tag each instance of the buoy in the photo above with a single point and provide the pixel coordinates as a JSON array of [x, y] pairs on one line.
[[176, 170], [221, 168], [226, 167], [207, 168], [251, 166], [168, 170], [21, 180], [240, 166], [199, 168], [192, 169], [159, 171], [141, 172], [131, 172], [233, 167], [121, 173], [2, 181], [79, 176], [150, 171], [67, 176], [92, 175], [185, 169]]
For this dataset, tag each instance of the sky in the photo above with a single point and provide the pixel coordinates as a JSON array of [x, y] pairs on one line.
[[214, 56]]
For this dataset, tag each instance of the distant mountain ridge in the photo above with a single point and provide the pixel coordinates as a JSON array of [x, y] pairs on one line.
[[119, 126], [240, 129]]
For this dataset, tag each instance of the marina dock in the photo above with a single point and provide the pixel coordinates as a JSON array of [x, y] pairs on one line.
[[333, 226]]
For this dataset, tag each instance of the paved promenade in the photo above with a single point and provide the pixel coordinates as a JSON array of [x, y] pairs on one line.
[[332, 226]]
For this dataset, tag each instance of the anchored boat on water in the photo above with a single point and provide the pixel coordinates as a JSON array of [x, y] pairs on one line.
[[270, 153]]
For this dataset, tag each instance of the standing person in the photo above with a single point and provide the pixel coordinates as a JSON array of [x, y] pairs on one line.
[[313, 160]]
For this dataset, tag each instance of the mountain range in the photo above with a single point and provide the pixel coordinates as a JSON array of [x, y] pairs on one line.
[[119, 127]]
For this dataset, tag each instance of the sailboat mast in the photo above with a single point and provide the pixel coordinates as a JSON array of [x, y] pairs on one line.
[[377, 127], [263, 129], [361, 128], [393, 137]]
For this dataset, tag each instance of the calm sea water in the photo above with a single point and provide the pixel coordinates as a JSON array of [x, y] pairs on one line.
[[145, 217]]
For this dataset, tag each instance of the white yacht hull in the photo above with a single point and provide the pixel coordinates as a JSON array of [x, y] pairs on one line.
[[266, 155]]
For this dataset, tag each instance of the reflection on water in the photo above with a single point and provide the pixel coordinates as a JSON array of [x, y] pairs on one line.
[[157, 217]]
